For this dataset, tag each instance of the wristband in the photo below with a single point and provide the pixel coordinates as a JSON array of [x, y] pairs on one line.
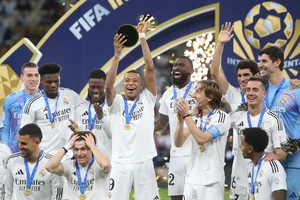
[[188, 115], [142, 35], [66, 151], [67, 147]]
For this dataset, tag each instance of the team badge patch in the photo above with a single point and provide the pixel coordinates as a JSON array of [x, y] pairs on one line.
[[66, 101], [261, 173], [42, 172]]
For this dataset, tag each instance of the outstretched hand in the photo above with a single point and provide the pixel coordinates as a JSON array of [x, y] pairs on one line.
[[73, 126], [225, 34]]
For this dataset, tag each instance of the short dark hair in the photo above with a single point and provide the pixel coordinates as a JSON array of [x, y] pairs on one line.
[[28, 65], [274, 53], [212, 91], [97, 74], [248, 64], [262, 81], [49, 68], [32, 130], [81, 134], [188, 59], [257, 138]]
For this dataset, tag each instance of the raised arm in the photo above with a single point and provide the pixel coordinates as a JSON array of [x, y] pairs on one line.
[[161, 123], [224, 36], [110, 90], [100, 158], [149, 75]]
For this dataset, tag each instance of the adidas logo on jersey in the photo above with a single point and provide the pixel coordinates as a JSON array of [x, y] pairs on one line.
[[293, 196], [241, 124], [45, 109], [156, 198], [85, 113], [18, 107], [20, 172]]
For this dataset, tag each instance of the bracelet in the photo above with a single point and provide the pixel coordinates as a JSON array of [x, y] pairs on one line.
[[188, 115], [142, 35]]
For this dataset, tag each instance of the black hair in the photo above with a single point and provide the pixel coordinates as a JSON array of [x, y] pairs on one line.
[[97, 74], [248, 64], [262, 81], [49, 68], [32, 130], [257, 138], [188, 59], [274, 53]]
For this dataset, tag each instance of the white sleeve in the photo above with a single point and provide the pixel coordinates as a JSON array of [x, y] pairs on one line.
[[56, 187], [163, 108], [9, 183], [278, 135], [28, 115], [277, 176], [116, 104], [149, 96], [67, 164], [229, 96]]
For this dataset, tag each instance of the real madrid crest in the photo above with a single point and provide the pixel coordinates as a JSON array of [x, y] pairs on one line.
[[42, 172], [66, 101], [261, 173], [140, 102]]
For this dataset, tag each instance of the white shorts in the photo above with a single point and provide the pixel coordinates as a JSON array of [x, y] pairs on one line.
[[139, 175], [177, 173], [214, 191], [237, 192]]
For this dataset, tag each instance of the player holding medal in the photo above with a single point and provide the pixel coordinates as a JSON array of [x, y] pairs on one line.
[[86, 173], [133, 126], [205, 173], [26, 176]]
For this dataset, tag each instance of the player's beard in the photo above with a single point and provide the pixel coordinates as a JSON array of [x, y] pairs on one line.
[[179, 81]]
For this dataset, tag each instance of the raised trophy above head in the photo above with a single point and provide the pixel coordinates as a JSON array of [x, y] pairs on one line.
[[131, 33]]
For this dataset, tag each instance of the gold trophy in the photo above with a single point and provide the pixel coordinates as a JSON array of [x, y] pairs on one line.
[[131, 33]]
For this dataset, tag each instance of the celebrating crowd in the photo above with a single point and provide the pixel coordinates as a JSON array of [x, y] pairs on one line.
[[56, 145]]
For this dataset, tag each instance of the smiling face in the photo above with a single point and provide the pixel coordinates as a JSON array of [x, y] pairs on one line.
[[51, 84], [31, 78], [255, 93], [182, 71], [96, 89], [267, 67], [27, 145], [245, 148], [132, 85], [243, 76], [201, 98], [82, 153]]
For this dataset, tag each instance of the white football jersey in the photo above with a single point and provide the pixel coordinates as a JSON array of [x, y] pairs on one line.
[[271, 177], [5, 152], [136, 144], [35, 111], [234, 97], [271, 123], [96, 185], [45, 185], [167, 107], [207, 167], [101, 130]]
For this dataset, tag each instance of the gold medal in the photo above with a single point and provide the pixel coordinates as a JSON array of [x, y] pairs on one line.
[[127, 126], [82, 197], [27, 191], [252, 197], [202, 148], [52, 125]]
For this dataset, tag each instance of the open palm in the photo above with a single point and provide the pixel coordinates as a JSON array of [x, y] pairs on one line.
[[225, 34]]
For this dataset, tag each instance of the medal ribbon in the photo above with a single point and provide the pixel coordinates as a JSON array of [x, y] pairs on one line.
[[260, 118], [243, 97], [252, 177], [203, 129], [29, 178], [275, 95], [185, 93], [51, 116], [91, 122], [128, 115], [82, 185]]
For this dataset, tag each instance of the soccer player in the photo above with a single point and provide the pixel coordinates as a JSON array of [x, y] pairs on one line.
[[90, 114], [86, 173], [266, 179], [14, 103], [132, 117], [244, 69], [51, 109], [27, 177], [182, 87], [205, 174], [256, 115], [4, 153], [284, 101]]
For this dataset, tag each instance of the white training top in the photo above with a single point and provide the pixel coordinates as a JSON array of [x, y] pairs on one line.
[[45, 185], [167, 107], [271, 123], [207, 167], [96, 185], [136, 144], [234, 97], [101, 130], [271, 177], [35, 111], [5, 152]]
